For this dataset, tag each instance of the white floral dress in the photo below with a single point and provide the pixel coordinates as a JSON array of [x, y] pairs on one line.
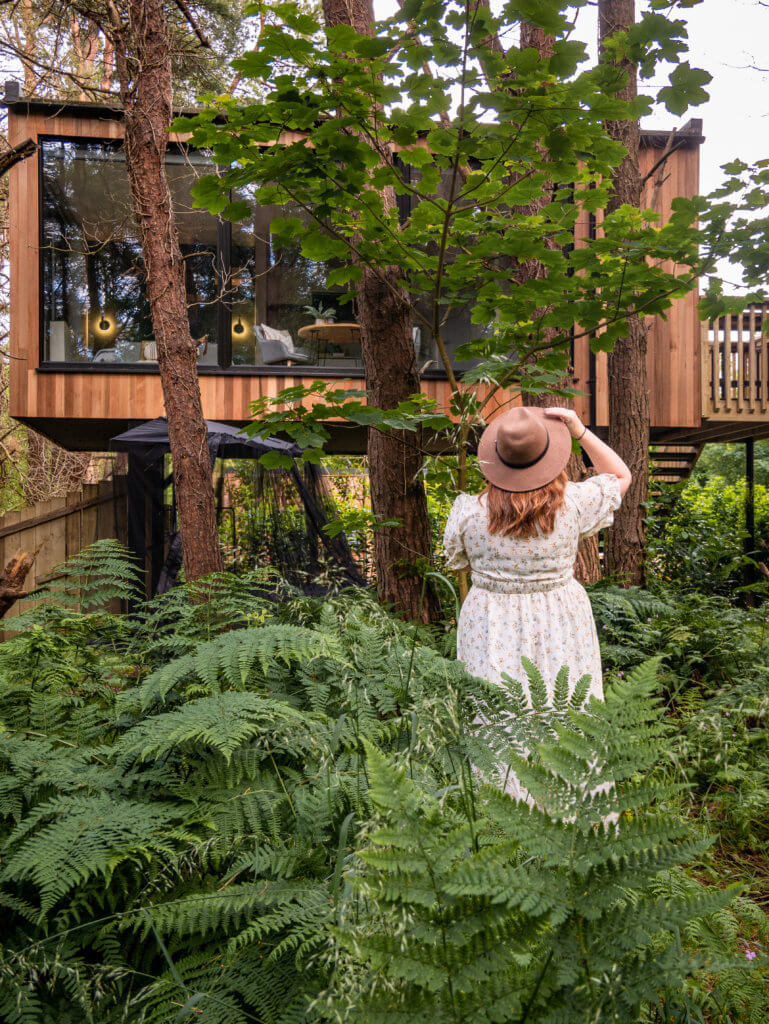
[[525, 601]]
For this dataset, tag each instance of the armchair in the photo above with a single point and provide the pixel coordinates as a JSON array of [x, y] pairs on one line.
[[278, 347], [106, 355]]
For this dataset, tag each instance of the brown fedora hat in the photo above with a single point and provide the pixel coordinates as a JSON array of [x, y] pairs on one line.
[[523, 449]]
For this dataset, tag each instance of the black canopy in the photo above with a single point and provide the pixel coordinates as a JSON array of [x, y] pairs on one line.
[[150, 440], [288, 542]]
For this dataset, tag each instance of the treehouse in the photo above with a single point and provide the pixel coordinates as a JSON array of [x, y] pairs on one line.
[[84, 361]]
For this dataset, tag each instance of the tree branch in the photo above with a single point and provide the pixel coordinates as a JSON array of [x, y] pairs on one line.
[[16, 155], [190, 19]]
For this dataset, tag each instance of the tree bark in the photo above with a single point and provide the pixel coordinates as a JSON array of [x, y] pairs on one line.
[[144, 69], [12, 580], [401, 553], [629, 416], [588, 566], [16, 154]]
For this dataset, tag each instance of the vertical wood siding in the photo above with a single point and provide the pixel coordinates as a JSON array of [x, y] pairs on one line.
[[674, 344]]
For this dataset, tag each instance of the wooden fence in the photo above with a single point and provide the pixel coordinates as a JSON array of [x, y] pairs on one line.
[[62, 527], [735, 365]]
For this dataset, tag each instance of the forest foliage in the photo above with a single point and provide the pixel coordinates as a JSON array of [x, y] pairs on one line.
[[463, 132], [278, 810]]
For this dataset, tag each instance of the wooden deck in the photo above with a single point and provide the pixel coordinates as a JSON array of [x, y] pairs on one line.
[[735, 366]]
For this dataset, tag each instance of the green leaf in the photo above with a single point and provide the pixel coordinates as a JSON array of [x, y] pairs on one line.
[[276, 460], [686, 89]]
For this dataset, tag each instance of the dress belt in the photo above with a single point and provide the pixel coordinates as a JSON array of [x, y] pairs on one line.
[[497, 586]]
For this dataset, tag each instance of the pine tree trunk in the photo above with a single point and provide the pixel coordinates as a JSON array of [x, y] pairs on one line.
[[144, 67], [629, 416], [401, 553]]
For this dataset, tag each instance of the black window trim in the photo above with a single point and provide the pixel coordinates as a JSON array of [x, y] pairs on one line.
[[222, 263], [224, 318]]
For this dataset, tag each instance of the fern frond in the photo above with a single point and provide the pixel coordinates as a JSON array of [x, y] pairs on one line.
[[239, 660], [69, 840], [222, 722]]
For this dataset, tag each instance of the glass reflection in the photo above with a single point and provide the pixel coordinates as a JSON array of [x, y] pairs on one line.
[[95, 309], [271, 287], [271, 308]]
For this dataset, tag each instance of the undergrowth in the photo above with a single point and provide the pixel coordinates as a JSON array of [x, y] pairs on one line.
[[237, 804]]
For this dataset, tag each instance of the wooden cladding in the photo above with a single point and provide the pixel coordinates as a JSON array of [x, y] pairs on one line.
[[735, 366], [104, 399], [673, 344]]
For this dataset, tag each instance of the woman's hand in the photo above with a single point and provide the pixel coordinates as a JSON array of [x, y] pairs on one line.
[[570, 418]]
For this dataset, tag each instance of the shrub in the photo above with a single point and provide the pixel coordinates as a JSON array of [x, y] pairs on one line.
[[728, 462], [713, 677], [696, 538]]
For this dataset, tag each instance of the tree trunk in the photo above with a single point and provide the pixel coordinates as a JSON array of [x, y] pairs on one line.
[[588, 566], [12, 579], [144, 67], [401, 553], [629, 418]]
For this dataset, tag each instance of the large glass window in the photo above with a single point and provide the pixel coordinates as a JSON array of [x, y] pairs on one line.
[[251, 301], [278, 297], [457, 328], [94, 304]]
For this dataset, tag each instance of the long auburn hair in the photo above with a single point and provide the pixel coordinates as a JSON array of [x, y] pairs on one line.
[[519, 513]]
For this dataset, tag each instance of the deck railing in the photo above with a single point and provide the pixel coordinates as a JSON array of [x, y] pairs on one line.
[[735, 364]]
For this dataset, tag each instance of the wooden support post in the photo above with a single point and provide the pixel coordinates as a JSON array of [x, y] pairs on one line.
[[145, 517], [137, 513], [154, 485], [750, 510]]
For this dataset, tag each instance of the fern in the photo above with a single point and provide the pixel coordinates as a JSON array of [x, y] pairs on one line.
[[520, 914], [222, 723], [732, 985], [236, 660], [68, 840], [183, 791], [214, 788], [101, 573]]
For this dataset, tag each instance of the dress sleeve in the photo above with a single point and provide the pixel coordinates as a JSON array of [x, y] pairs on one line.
[[596, 501], [453, 541]]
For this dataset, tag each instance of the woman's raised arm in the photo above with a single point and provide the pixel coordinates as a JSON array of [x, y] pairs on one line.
[[604, 458]]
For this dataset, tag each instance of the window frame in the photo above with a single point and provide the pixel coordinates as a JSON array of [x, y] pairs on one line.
[[223, 319], [49, 365]]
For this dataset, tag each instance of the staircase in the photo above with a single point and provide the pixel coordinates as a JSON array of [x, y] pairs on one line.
[[671, 463]]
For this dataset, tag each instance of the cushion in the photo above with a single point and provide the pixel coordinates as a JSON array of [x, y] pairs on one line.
[[273, 334]]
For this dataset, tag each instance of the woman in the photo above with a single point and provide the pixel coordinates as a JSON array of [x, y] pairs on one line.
[[519, 538]]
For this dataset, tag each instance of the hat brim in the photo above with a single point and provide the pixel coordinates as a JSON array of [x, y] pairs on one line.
[[542, 472]]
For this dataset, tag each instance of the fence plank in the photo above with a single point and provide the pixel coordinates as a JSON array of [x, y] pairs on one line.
[[62, 527]]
